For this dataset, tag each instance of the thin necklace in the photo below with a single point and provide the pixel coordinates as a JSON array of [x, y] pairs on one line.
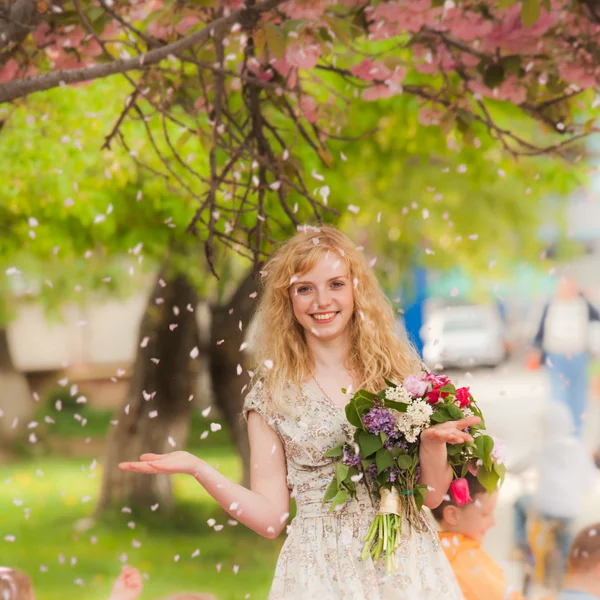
[[323, 391]]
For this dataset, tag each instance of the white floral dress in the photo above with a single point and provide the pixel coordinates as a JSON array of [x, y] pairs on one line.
[[320, 559]]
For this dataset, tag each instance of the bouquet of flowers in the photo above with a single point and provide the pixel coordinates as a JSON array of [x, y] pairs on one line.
[[385, 453]]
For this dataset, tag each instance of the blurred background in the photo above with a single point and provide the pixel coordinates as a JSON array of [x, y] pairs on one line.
[[115, 338]]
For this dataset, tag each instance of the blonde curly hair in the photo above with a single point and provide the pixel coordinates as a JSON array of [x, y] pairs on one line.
[[379, 346]]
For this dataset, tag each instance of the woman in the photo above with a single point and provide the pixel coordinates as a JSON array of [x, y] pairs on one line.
[[324, 325]]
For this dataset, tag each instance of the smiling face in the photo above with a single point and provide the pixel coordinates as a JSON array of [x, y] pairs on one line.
[[323, 299]]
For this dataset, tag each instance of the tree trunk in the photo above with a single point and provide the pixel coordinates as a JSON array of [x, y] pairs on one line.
[[156, 412], [225, 357], [16, 406]]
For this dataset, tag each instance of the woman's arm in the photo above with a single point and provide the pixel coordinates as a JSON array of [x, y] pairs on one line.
[[265, 507], [436, 472]]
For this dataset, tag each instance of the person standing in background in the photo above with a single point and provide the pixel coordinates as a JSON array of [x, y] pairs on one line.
[[562, 344]]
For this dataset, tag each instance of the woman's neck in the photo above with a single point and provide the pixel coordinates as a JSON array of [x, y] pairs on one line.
[[329, 355]]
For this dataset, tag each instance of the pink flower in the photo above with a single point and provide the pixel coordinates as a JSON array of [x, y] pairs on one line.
[[186, 24], [474, 468], [9, 71], [376, 92], [303, 55], [415, 386], [459, 490], [463, 397], [304, 9], [371, 70], [437, 380], [309, 107]]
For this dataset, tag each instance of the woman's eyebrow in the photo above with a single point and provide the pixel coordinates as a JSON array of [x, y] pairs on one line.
[[330, 279]]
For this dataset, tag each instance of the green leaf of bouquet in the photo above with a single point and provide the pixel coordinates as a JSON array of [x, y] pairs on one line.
[[464, 470], [454, 412], [390, 383], [441, 415], [454, 449], [404, 461], [341, 471], [488, 479], [339, 500], [420, 493], [352, 415], [500, 470], [335, 451], [365, 394], [449, 388], [383, 459], [399, 406], [369, 443], [484, 444], [331, 491]]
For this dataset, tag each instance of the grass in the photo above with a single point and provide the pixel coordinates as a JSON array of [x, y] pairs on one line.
[[45, 501]]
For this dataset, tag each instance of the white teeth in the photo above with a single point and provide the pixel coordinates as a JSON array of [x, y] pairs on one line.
[[324, 317]]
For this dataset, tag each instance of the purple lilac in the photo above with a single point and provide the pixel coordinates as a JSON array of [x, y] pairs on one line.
[[372, 469], [393, 474], [350, 458], [379, 420]]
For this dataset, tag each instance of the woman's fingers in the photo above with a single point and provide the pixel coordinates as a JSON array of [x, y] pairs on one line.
[[139, 467], [467, 422], [150, 456]]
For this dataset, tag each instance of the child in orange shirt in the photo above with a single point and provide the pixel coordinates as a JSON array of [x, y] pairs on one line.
[[463, 530]]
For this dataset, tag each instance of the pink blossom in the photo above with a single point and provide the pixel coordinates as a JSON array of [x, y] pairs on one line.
[[309, 107], [9, 71], [186, 24], [581, 75], [42, 35], [459, 490], [430, 116], [289, 73], [474, 468], [311, 10], [160, 32], [511, 89], [303, 55], [233, 4], [371, 70], [510, 33], [415, 385], [377, 92]]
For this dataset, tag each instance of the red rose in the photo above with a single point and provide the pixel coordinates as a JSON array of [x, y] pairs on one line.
[[433, 397], [459, 489], [463, 397]]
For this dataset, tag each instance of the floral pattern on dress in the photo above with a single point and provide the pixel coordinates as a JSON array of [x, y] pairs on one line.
[[321, 557]]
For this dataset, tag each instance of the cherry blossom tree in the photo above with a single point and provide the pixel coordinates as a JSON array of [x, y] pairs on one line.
[[257, 82]]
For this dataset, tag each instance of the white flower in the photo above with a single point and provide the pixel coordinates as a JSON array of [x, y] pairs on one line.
[[414, 420], [467, 412], [398, 394]]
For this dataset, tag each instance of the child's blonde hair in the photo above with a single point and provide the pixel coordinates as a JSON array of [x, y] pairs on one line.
[[379, 346], [15, 585]]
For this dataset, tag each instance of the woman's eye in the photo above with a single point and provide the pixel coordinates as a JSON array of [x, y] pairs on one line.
[[303, 289], [337, 284]]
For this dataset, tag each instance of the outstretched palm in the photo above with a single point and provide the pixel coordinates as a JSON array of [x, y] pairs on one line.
[[167, 464]]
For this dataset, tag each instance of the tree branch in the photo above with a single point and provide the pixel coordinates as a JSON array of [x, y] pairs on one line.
[[19, 89]]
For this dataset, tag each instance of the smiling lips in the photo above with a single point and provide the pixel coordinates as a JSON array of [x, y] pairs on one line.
[[324, 317]]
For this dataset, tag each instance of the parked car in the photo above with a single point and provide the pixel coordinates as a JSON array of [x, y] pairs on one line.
[[464, 336]]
